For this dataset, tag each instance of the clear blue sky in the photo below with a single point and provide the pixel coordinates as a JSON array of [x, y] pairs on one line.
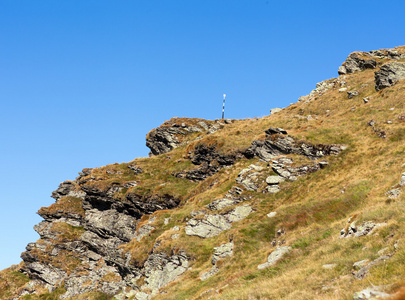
[[82, 82]]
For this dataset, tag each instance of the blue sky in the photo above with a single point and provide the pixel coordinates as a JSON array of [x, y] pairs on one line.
[[82, 82]]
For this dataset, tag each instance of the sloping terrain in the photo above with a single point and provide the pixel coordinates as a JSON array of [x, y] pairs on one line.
[[307, 203]]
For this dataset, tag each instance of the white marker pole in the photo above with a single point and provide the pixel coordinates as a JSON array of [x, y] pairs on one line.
[[223, 107]]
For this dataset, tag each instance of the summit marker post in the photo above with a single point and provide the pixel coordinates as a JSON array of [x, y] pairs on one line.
[[223, 107]]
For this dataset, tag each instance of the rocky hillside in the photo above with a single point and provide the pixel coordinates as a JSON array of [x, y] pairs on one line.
[[306, 203]]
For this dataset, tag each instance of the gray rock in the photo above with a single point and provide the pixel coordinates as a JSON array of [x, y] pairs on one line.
[[366, 100], [394, 193], [160, 270], [357, 231], [272, 189], [355, 63], [219, 204], [389, 74], [221, 252], [364, 270], [203, 125], [360, 264], [352, 94], [213, 129], [386, 53], [209, 227], [370, 293], [214, 270], [273, 130], [163, 139], [272, 214], [212, 225], [275, 110], [248, 177], [117, 224], [144, 231], [275, 256], [402, 182], [274, 179]]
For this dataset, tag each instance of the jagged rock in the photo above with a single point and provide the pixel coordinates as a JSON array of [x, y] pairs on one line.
[[281, 144], [362, 230], [248, 177], [163, 139], [219, 204], [273, 130], [394, 193], [370, 294], [63, 190], [111, 223], [144, 231], [213, 129], [275, 256], [137, 170], [389, 74], [160, 270], [212, 225], [355, 63], [221, 252], [45, 273], [386, 53], [210, 162], [352, 94], [274, 179]]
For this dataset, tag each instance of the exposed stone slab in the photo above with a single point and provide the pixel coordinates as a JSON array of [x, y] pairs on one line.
[[212, 225], [275, 256]]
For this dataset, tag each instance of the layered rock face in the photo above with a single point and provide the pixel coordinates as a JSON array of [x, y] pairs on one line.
[[82, 234]]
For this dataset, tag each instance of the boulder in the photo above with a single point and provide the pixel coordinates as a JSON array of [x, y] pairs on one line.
[[275, 110], [356, 62], [352, 94], [274, 179], [273, 130], [275, 256], [389, 74]]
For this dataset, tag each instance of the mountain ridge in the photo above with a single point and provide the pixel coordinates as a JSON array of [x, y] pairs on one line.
[[232, 208]]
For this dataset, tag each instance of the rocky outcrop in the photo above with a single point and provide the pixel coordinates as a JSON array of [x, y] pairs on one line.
[[275, 256], [277, 144], [357, 61], [168, 136], [207, 226], [221, 252], [354, 230], [209, 160], [81, 236], [389, 74], [249, 177]]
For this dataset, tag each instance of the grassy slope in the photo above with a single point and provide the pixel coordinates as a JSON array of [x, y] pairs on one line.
[[311, 210]]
